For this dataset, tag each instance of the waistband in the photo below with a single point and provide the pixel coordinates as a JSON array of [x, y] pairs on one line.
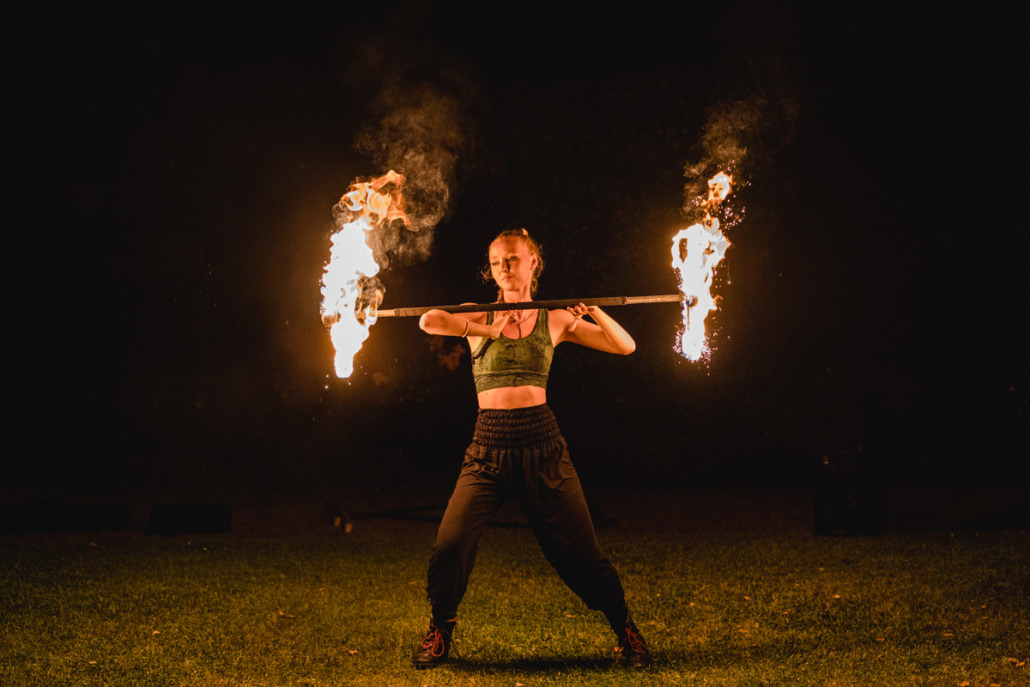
[[516, 428]]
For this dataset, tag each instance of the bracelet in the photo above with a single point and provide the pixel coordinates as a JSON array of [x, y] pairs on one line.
[[467, 324]]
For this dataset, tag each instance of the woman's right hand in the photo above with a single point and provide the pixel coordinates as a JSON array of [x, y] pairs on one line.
[[499, 323]]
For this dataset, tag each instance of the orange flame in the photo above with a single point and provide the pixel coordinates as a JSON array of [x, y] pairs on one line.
[[349, 303], [696, 251]]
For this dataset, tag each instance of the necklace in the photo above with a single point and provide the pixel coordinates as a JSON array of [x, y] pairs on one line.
[[517, 320]]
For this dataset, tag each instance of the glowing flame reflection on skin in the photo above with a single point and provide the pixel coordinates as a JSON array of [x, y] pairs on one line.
[[349, 305], [696, 251]]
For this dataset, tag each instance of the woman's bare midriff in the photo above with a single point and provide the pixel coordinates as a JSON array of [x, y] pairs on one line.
[[511, 397]]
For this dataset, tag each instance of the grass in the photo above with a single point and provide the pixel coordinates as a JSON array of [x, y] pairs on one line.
[[318, 607]]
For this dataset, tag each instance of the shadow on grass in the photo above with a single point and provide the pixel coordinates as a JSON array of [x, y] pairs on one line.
[[508, 515], [785, 654], [551, 664], [686, 660]]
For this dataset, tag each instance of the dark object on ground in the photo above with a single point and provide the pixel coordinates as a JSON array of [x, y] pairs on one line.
[[52, 515], [189, 518], [850, 497]]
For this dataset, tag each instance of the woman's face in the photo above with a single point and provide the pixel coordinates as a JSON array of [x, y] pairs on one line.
[[511, 263]]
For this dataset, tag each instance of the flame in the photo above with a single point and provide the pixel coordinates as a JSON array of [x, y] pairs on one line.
[[350, 302], [696, 251]]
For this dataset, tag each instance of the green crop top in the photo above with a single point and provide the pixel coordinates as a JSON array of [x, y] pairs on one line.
[[504, 362]]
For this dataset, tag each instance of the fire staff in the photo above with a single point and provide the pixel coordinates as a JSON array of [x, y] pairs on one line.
[[518, 452]]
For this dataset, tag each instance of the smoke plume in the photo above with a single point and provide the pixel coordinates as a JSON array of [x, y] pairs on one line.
[[419, 136], [413, 98], [738, 137]]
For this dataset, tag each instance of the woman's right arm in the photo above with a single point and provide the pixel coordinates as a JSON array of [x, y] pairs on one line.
[[443, 323]]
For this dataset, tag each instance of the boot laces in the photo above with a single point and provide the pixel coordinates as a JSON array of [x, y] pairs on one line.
[[634, 642], [435, 641]]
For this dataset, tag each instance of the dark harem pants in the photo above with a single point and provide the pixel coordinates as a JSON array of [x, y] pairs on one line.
[[521, 454]]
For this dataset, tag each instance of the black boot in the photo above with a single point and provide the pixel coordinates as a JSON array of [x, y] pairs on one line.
[[434, 648], [632, 651]]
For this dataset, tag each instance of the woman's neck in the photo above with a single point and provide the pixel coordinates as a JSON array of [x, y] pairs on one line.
[[521, 296]]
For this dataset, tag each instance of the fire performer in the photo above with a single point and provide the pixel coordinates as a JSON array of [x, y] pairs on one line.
[[517, 450]]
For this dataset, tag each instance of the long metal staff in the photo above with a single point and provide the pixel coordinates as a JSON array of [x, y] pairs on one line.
[[534, 305]]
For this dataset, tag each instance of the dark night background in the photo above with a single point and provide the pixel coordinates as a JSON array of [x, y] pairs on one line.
[[177, 171]]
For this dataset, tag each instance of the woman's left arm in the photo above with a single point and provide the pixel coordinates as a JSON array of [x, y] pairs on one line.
[[606, 335]]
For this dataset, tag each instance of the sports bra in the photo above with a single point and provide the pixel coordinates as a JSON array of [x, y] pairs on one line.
[[504, 361]]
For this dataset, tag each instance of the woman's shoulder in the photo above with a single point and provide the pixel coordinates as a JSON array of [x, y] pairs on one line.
[[557, 321]]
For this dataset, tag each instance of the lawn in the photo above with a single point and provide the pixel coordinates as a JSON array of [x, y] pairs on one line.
[[721, 602]]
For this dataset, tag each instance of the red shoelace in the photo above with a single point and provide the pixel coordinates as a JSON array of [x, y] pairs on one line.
[[435, 642], [635, 642]]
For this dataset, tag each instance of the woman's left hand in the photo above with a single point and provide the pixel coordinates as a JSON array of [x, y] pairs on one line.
[[604, 333], [578, 312]]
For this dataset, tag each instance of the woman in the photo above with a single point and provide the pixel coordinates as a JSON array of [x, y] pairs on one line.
[[518, 452]]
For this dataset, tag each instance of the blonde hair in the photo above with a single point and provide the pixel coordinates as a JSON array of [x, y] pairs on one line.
[[534, 249]]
